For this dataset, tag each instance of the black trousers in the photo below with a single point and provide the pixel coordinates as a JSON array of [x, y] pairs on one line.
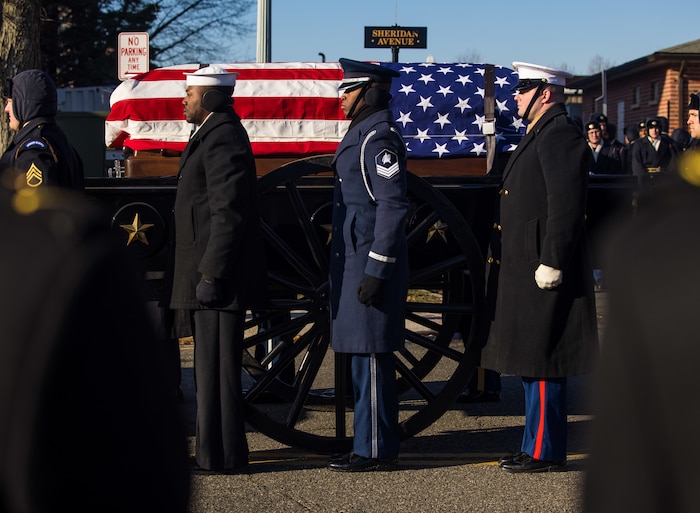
[[218, 345]]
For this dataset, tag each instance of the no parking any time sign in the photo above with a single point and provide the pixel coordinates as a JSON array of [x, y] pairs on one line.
[[133, 54]]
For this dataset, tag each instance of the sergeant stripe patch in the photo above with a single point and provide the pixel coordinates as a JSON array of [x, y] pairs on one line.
[[34, 176]]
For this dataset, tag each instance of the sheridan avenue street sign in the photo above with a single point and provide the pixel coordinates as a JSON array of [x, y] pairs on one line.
[[396, 37]]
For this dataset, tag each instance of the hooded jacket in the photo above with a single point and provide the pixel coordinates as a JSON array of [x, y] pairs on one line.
[[40, 149]]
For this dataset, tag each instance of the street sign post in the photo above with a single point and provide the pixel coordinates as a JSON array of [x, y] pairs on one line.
[[133, 54]]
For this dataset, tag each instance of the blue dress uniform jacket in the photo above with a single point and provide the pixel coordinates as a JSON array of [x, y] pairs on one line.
[[369, 216], [535, 332], [217, 228]]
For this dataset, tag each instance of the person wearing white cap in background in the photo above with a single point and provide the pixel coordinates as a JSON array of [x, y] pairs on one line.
[[543, 324], [218, 270]]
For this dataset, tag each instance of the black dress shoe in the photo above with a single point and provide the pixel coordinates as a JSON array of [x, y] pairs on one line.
[[354, 463], [510, 457], [201, 471], [338, 458], [478, 396], [526, 463]]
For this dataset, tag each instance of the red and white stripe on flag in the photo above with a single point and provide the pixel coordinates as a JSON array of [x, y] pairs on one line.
[[287, 108]]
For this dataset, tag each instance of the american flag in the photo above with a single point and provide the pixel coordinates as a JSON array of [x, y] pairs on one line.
[[440, 108], [294, 108]]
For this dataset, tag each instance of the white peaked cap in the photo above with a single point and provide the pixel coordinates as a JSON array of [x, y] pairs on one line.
[[212, 76], [527, 71]]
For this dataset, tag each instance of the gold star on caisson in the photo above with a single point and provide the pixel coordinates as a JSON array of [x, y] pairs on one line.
[[137, 231], [440, 228]]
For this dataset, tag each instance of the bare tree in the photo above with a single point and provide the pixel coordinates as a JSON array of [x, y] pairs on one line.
[[19, 45], [199, 30], [469, 57], [79, 37], [598, 64]]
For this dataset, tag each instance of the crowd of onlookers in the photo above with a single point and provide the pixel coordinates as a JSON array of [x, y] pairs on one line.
[[647, 148]]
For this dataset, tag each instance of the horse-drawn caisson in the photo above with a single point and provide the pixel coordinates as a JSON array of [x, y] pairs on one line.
[[459, 122]]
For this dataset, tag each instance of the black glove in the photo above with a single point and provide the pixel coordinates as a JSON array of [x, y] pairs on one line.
[[370, 291], [209, 292]]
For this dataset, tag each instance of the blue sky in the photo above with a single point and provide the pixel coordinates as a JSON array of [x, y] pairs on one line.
[[494, 32]]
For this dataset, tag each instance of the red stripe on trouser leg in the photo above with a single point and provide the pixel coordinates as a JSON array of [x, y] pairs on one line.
[[540, 427]]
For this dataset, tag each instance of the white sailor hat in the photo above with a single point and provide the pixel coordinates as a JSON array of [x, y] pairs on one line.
[[532, 75], [212, 76]]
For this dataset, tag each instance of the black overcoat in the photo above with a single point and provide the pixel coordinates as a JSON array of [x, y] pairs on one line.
[[217, 225], [648, 369], [645, 157], [609, 160], [369, 216], [71, 400], [534, 332]]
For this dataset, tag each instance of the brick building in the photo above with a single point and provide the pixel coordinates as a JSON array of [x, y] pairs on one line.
[[656, 85]]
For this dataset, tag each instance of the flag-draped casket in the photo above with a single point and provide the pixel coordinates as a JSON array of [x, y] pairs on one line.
[[293, 109]]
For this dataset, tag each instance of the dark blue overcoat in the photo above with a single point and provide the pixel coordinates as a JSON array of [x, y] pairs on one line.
[[369, 237]]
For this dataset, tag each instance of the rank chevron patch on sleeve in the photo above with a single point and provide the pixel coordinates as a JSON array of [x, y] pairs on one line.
[[387, 163]]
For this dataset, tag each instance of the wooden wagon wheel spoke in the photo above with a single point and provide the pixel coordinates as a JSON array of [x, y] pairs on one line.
[[436, 269], [296, 261], [440, 350], [419, 231], [286, 356], [414, 381], [307, 373], [292, 326], [319, 255]]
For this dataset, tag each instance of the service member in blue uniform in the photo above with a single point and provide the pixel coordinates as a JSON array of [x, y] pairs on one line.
[[544, 322], [39, 149], [219, 267], [369, 262]]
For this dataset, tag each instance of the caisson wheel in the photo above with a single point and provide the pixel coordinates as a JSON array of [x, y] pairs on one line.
[[298, 389]]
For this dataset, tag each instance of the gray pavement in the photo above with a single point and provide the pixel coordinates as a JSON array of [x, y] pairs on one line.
[[449, 467]]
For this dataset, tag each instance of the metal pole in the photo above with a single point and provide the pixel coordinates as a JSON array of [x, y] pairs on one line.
[[604, 79], [264, 50]]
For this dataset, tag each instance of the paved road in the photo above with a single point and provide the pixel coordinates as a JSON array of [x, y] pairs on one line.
[[450, 467]]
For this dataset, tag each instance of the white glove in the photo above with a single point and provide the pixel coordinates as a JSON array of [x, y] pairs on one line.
[[547, 277]]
